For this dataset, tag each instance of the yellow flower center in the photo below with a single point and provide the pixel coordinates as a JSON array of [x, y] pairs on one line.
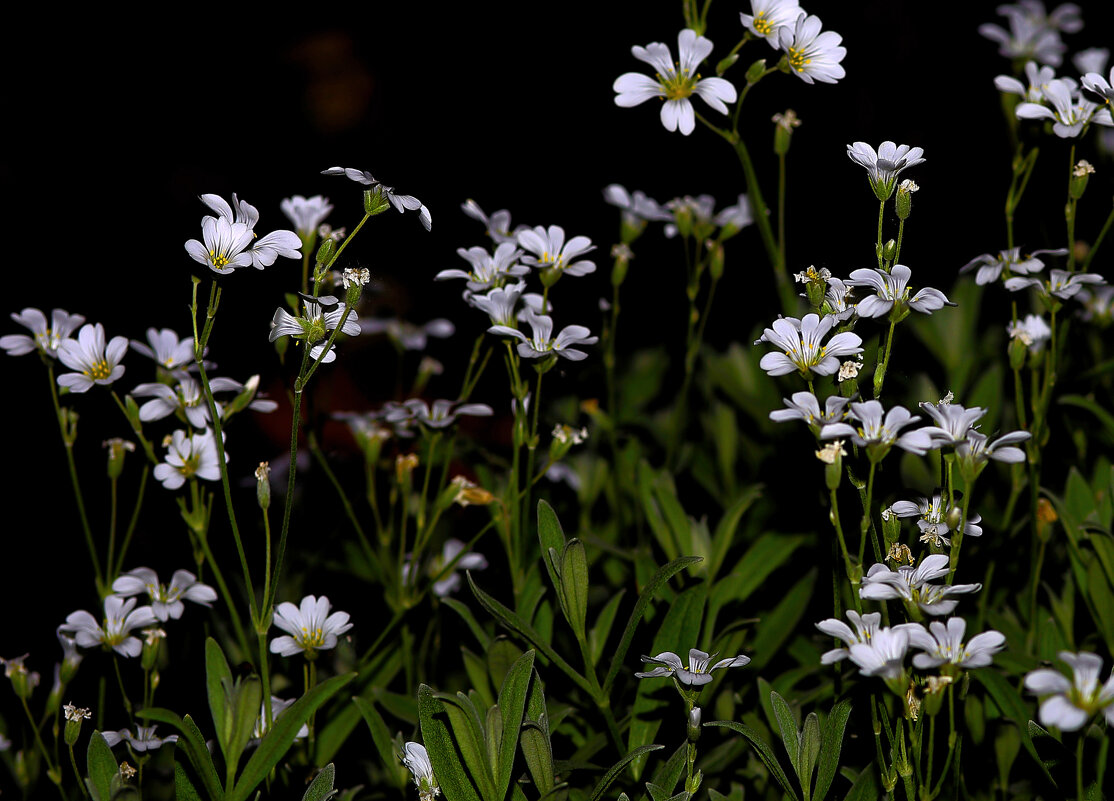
[[797, 59], [218, 259], [763, 25], [312, 639], [98, 370]]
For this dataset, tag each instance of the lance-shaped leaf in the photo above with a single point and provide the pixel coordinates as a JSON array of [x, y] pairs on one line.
[[101, 767], [468, 734], [810, 750], [787, 725], [831, 745], [574, 586], [617, 768], [764, 753], [512, 706], [193, 743], [381, 736], [537, 749], [443, 756], [321, 788]]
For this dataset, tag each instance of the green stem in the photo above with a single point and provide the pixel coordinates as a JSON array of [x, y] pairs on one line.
[[119, 566], [112, 503], [900, 237], [884, 363], [1069, 212], [1098, 241], [1079, 766], [781, 209], [365, 544], [878, 242], [203, 539], [77, 773]]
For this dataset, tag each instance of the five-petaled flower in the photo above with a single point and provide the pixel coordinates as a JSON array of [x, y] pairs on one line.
[[892, 293], [884, 165], [1011, 261], [402, 203], [697, 673], [1070, 111], [542, 343], [47, 338], [912, 585], [322, 315], [144, 739], [674, 83], [551, 251], [768, 16], [800, 341], [95, 361], [188, 456], [166, 600], [933, 519], [942, 644], [307, 214], [866, 626], [1068, 705], [230, 239], [488, 269], [120, 617], [811, 54], [310, 628]]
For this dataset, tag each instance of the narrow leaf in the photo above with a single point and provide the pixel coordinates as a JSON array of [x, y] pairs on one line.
[[217, 676], [442, 752], [787, 725], [830, 747], [1008, 700], [512, 706], [100, 766], [193, 743], [537, 749], [574, 584], [468, 734], [764, 753], [321, 788], [183, 786], [552, 541], [470, 619], [617, 768], [381, 736], [597, 637], [810, 750]]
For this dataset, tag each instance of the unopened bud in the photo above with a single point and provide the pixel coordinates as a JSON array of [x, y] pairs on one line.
[[891, 526], [152, 640], [263, 485], [1080, 174], [326, 251], [405, 464], [117, 449], [783, 130], [23, 681], [1046, 516], [694, 724], [622, 255], [715, 265], [889, 250], [756, 70], [904, 201], [726, 63], [74, 716]]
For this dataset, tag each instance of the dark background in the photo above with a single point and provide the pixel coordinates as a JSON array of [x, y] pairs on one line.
[[115, 124]]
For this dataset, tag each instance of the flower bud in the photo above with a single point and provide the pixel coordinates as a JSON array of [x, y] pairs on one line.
[[564, 437], [903, 203], [622, 255], [405, 464], [954, 518], [326, 251], [117, 449], [354, 281], [152, 640], [891, 526], [263, 485], [375, 202], [726, 63], [1080, 174], [74, 716], [1018, 350], [889, 250], [715, 266], [755, 71], [23, 681], [1046, 516], [783, 132], [694, 724], [832, 456]]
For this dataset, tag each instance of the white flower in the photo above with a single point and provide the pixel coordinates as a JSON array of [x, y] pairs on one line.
[[76, 713], [883, 654], [315, 324], [1070, 111], [943, 645], [885, 165], [812, 55], [637, 206], [551, 251], [499, 304], [976, 451], [912, 586], [1033, 34], [488, 270], [311, 627], [1037, 77], [542, 343], [1069, 705], [1033, 332], [737, 217], [800, 341], [865, 628], [452, 553], [1094, 82], [416, 760], [185, 397], [402, 203], [143, 740], [441, 414], [767, 16], [408, 336], [891, 290], [498, 224], [697, 674], [1011, 261], [166, 601], [230, 240], [830, 452], [804, 406], [674, 83], [1098, 304], [187, 456], [46, 338], [307, 214], [933, 522], [953, 421], [165, 347], [278, 707], [94, 362], [837, 300], [120, 617], [1060, 283], [879, 434]]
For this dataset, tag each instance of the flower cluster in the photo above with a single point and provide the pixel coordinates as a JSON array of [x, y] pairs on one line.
[[229, 240]]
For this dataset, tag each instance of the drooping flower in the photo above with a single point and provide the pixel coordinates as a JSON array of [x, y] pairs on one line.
[[813, 55], [416, 760], [866, 626], [697, 674], [1068, 705], [800, 341], [884, 165], [932, 520], [1060, 283], [1010, 261], [674, 83], [94, 361], [402, 203], [879, 434], [551, 251], [144, 739], [439, 414], [892, 293], [120, 617], [912, 585], [306, 214], [804, 406], [542, 343], [943, 645], [188, 456], [498, 224], [166, 600], [1037, 77], [499, 304], [488, 269], [1070, 111], [321, 315], [637, 207], [310, 627], [767, 16], [47, 338]]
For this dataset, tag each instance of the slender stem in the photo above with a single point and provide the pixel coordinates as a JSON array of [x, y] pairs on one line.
[[77, 773], [54, 773], [880, 370], [120, 683], [1079, 767], [864, 525], [202, 538], [112, 503], [878, 242], [833, 516], [365, 544], [781, 209], [1098, 241], [1069, 212], [119, 566], [900, 237]]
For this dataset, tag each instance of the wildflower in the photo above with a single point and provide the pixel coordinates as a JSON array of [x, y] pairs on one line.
[[166, 600], [885, 165], [185, 397], [812, 55], [127, 772], [1030, 36], [1037, 78], [23, 680], [315, 324], [311, 627], [1070, 112], [1068, 705], [691, 214], [697, 674], [933, 519], [307, 214], [880, 435], [94, 361], [866, 626], [892, 293], [1094, 82], [837, 300], [1060, 283], [568, 435], [230, 240], [943, 645], [416, 760], [1033, 332], [800, 341], [990, 266], [674, 83], [768, 16], [883, 654], [498, 224], [402, 203], [973, 454], [143, 740], [453, 553], [804, 406], [636, 207], [953, 422], [831, 452], [1098, 304], [47, 338], [542, 343], [551, 251], [120, 617], [912, 585], [849, 370], [441, 414], [488, 270], [736, 217], [165, 347], [76, 713], [187, 456], [278, 707], [406, 335], [500, 303]]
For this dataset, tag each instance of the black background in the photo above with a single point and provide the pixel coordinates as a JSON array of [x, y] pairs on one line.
[[115, 124]]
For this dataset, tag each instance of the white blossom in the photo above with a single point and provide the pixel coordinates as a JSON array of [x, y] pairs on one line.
[[813, 55], [800, 342], [698, 672], [942, 644], [309, 628], [1068, 705], [45, 338], [114, 631], [94, 361], [166, 599]]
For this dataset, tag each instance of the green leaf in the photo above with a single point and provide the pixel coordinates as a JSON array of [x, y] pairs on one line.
[[552, 540], [1103, 416], [512, 706], [321, 788], [476, 668], [468, 734], [1104, 547], [100, 766], [574, 584], [810, 750], [511, 621], [183, 786], [724, 536], [193, 743], [659, 578], [669, 773], [466, 614], [381, 736], [617, 768], [442, 752], [866, 786], [1102, 601], [278, 740], [658, 793], [377, 672], [775, 627], [767, 554], [597, 637], [217, 676], [537, 748], [790, 737], [764, 753], [830, 747], [1014, 708]]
